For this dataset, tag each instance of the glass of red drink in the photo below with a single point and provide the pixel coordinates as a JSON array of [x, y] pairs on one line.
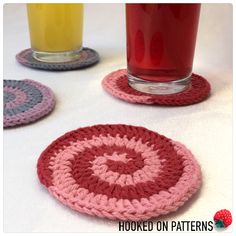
[[160, 46]]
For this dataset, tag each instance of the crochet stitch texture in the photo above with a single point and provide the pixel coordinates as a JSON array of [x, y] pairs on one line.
[[88, 58], [116, 84], [25, 101], [120, 172]]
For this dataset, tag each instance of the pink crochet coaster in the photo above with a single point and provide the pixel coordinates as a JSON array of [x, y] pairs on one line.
[[25, 101], [88, 58], [120, 172], [116, 83]]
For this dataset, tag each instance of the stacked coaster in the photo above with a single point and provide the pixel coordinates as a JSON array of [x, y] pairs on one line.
[[88, 57], [25, 101], [119, 172], [116, 83]]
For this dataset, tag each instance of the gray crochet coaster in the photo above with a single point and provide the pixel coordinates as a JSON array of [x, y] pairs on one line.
[[88, 58], [25, 101]]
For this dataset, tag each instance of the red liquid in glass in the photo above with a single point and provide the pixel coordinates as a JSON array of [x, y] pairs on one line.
[[161, 40]]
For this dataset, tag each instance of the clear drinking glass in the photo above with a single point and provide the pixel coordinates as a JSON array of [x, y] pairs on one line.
[[55, 31], [160, 46]]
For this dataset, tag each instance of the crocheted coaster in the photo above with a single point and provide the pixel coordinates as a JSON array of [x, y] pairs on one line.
[[116, 83], [25, 101], [88, 58], [119, 172]]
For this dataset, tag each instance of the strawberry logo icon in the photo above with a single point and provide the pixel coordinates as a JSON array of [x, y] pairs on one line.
[[223, 218]]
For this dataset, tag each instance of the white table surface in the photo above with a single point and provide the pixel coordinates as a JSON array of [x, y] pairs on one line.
[[205, 128]]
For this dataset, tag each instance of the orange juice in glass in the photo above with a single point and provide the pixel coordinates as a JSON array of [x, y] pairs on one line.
[[55, 31]]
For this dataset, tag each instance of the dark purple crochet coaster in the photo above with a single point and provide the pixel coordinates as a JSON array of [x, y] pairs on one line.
[[26, 101], [88, 58]]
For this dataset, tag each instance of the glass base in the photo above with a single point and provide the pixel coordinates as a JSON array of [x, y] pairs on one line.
[[56, 57], [159, 87]]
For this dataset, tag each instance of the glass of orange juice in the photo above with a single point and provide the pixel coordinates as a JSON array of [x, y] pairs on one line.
[[55, 31]]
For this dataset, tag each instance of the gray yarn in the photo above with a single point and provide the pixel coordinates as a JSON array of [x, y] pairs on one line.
[[8, 97], [34, 96], [26, 58]]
